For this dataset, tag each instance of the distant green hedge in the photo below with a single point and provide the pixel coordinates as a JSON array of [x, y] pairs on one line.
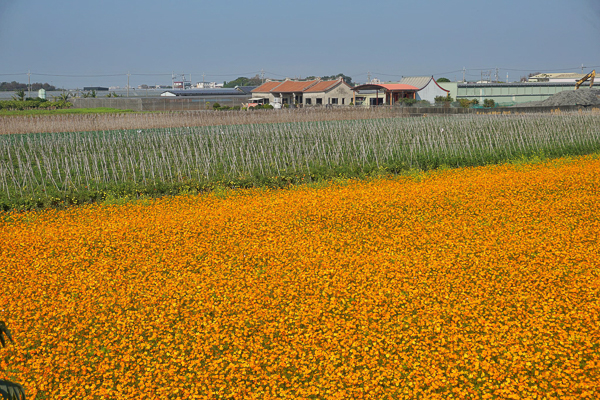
[[31, 104]]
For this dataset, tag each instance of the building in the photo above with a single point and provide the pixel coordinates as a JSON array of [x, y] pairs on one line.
[[242, 91], [428, 88], [208, 85], [556, 77], [306, 93], [508, 94], [374, 94], [413, 87]]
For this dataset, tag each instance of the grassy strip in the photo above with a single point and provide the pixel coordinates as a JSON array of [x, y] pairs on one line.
[[63, 111], [122, 193]]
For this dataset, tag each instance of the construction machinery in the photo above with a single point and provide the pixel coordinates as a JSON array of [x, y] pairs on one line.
[[589, 76]]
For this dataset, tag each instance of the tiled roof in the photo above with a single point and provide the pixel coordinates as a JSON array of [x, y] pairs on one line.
[[323, 86], [267, 86], [293, 86]]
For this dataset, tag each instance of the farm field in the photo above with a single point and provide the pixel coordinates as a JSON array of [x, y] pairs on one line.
[[42, 170], [479, 282], [64, 111]]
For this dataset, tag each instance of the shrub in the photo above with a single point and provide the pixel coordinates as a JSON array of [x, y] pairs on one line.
[[466, 103], [216, 106], [489, 103], [442, 99]]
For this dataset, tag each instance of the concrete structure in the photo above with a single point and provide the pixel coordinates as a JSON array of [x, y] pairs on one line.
[[451, 87], [238, 91], [556, 77], [413, 87], [306, 93], [429, 89], [166, 103], [507, 94], [369, 93]]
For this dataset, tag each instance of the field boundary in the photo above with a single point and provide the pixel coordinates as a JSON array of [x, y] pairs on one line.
[[114, 121]]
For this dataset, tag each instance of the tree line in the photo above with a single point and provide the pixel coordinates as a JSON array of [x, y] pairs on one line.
[[14, 86]]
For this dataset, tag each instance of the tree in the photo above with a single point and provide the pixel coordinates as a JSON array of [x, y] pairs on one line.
[[489, 103], [19, 95], [346, 78], [243, 81], [443, 80], [442, 99], [8, 389]]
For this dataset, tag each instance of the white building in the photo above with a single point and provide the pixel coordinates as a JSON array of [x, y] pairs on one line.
[[428, 88], [556, 77]]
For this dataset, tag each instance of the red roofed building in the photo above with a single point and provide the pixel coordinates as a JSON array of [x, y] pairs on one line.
[[305, 93]]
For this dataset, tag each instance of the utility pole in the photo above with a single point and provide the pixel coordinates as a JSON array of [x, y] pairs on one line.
[[464, 73], [127, 83], [497, 78], [262, 76], [368, 76], [29, 82]]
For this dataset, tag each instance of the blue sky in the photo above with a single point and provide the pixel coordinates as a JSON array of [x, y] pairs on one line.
[[70, 43]]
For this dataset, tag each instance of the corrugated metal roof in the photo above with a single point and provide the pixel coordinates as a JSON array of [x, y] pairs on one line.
[[206, 92], [246, 89], [387, 86], [568, 75], [417, 81]]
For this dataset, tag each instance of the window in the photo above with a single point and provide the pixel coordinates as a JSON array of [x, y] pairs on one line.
[[343, 101], [334, 100], [319, 101], [308, 102]]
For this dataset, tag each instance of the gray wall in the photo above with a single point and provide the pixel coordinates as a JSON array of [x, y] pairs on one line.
[[159, 103]]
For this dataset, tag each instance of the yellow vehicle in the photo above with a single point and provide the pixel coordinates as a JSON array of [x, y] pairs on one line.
[[589, 76]]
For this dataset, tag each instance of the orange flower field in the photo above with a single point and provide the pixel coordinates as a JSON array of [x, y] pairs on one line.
[[467, 283]]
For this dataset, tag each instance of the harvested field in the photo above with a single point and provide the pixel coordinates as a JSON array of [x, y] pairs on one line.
[[467, 283], [102, 122], [579, 97]]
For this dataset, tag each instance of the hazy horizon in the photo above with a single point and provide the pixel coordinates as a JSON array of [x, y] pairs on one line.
[[75, 44]]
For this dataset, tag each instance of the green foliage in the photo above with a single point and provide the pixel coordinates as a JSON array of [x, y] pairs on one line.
[[489, 103], [89, 94], [443, 99], [32, 104], [346, 78], [243, 81], [262, 107], [9, 390], [4, 331], [19, 95], [466, 103], [13, 86], [443, 80], [113, 94], [216, 105], [407, 102]]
